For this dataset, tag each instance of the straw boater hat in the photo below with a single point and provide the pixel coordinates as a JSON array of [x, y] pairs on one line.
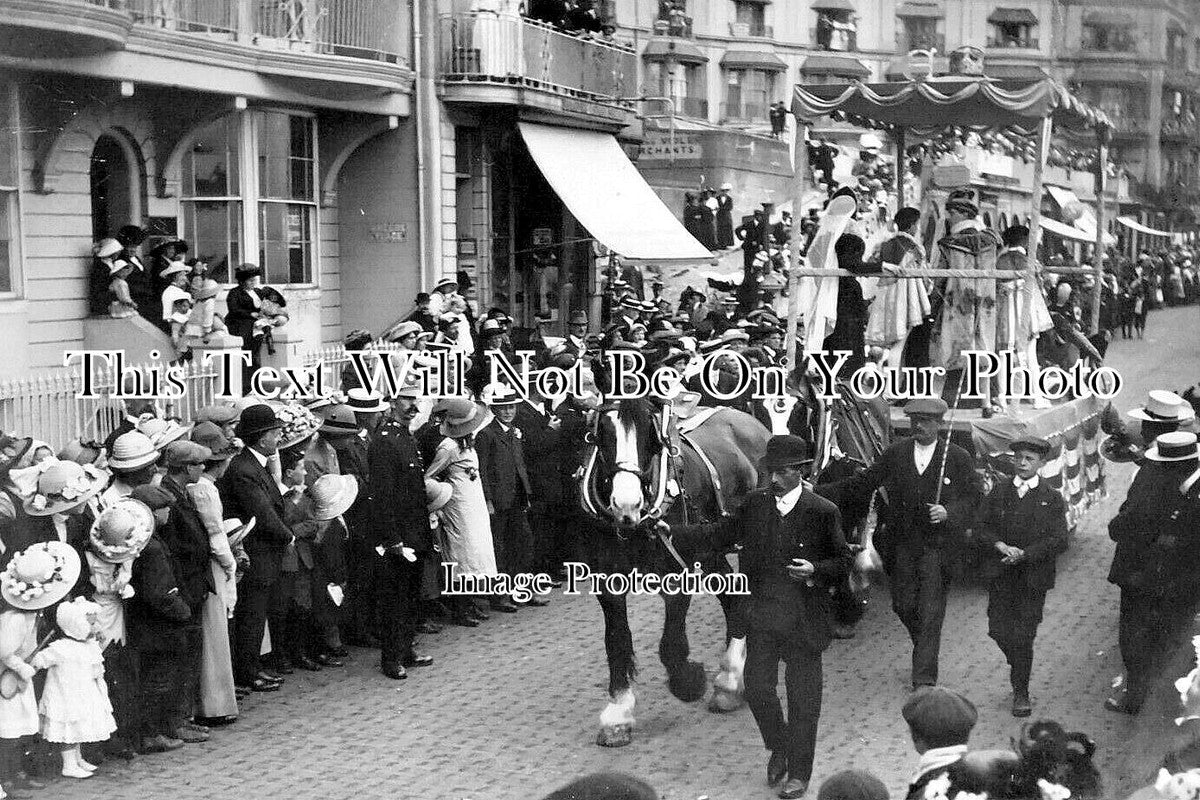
[[499, 394], [40, 575], [333, 495], [466, 420], [446, 283], [365, 401], [106, 248], [1164, 406], [437, 494], [1174, 446], [236, 530], [63, 485], [174, 268], [122, 530], [132, 450]]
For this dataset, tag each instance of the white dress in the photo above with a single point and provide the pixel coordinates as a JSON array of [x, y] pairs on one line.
[[75, 706], [466, 526], [18, 636]]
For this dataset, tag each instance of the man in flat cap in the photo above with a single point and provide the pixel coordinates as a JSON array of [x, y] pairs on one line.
[[1023, 525], [932, 492], [940, 721], [793, 553]]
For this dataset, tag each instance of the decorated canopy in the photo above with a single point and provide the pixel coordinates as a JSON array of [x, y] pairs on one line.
[[924, 105]]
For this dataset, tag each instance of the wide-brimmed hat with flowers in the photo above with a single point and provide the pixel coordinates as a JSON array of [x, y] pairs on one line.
[[60, 485], [299, 424], [162, 432], [122, 530], [40, 575], [467, 421], [333, 495]]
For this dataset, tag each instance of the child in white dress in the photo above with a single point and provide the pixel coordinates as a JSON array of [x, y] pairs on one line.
[[75, 706]]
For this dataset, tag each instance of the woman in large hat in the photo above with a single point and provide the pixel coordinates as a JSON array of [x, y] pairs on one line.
[[116, 538], [35, 579], [332, 496], [466, 525], [54, 497]]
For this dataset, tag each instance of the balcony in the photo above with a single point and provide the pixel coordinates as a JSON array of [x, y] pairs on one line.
[[994, 43], [840, 43], [1178, 130], [696, 107], [47, 28], [744, 112], [751, 30], [907, 42], [521, 62], [676, 26]]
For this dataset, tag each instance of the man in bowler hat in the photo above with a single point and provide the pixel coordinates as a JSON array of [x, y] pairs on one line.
[[793, 552], [928, 510], [1023, 525]]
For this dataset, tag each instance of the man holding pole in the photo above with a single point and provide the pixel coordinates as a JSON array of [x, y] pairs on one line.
[[931, 491]]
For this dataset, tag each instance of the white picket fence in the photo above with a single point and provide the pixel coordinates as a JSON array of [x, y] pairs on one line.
[[48, 407]]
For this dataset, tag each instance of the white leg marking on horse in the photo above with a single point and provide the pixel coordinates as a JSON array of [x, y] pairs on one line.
[[619, 710], [729, 685]]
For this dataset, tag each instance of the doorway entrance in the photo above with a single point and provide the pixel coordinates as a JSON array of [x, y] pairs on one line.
[[115, 176]]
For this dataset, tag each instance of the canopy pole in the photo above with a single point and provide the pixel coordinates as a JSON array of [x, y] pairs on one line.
[[1035, 214], [901, 166], [799, 183], [1101, 189]]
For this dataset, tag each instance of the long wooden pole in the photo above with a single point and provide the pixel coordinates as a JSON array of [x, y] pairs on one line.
[[1101, 224], [799, 185], [901, 167], [1035, 214]]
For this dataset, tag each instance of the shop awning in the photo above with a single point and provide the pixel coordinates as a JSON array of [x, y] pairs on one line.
[[841, 66], [1015, 72], [1086, 224], [1134, 225], [920, 11], [661, 48], [833, 5], [753, 59], [1066, 231], [1014, 16], [590, 173]]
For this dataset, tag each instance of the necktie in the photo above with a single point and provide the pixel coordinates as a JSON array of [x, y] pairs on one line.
[[1022, 488]]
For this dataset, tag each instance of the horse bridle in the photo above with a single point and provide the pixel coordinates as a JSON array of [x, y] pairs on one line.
[[666, 467]]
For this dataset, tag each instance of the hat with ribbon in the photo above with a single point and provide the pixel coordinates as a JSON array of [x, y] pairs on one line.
[[162, 432], [131, 451], [631, 302], [446, 283], [1174, 446], [117, 265], [397, 333], [1164, 406], [237, 530], [365, 401], [106, 248], [358, 339], [734, 335], [491, 328], [40, 575], [338, 420], [466, 421], [333, 495], [786, 451], [256, 419], [499, 394], [174, 268], [245, 271], [299, 424], [63, 485], [122, 530]]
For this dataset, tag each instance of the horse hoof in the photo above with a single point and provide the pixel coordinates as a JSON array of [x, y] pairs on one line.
[[689, 682], [615, 735], [723, 702]]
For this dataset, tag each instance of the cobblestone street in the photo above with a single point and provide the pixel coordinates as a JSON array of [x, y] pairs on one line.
[[510, 710]]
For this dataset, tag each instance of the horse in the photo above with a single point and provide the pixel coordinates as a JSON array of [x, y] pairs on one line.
[[644, 465]]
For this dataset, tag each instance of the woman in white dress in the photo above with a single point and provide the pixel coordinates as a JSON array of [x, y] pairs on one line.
[[466, 526]]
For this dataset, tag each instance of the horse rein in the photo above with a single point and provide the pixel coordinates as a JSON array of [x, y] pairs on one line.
[[667, 464]]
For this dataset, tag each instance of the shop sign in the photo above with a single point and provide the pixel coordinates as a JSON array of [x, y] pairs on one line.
[[542, 237], [389, 232], [663, 147]]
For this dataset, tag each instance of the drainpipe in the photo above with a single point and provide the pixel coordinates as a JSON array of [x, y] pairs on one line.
[[429, 241]]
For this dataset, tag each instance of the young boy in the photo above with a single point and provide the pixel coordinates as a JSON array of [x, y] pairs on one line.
[[1023, 523]]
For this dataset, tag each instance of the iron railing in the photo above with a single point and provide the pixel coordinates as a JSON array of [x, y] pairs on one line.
[[484, 47], [369, 29], [751, 29]]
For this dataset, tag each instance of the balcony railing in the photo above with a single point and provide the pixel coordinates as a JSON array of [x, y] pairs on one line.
[[751, 29], [906, 42], [1013, 44], [488, 48], [834, 43], [358, 28], [744, 111], [693, 107], [677, 26]]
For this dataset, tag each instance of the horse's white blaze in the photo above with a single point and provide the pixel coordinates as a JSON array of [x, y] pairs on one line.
[[626, 499], [619, 711]]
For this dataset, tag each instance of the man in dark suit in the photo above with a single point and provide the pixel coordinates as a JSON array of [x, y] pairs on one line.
[[402, 537], [541, 442], [244, 304], [506, 487], [752, 231], [1156, 563], [1023, 524], [922, 526], [248, 489], [793, 553], [577, 328]]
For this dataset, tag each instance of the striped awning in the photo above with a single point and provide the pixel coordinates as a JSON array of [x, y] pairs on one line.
[[1014, 16], [662, 49]]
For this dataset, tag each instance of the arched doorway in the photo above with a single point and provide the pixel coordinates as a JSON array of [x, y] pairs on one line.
[[116, 185]]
